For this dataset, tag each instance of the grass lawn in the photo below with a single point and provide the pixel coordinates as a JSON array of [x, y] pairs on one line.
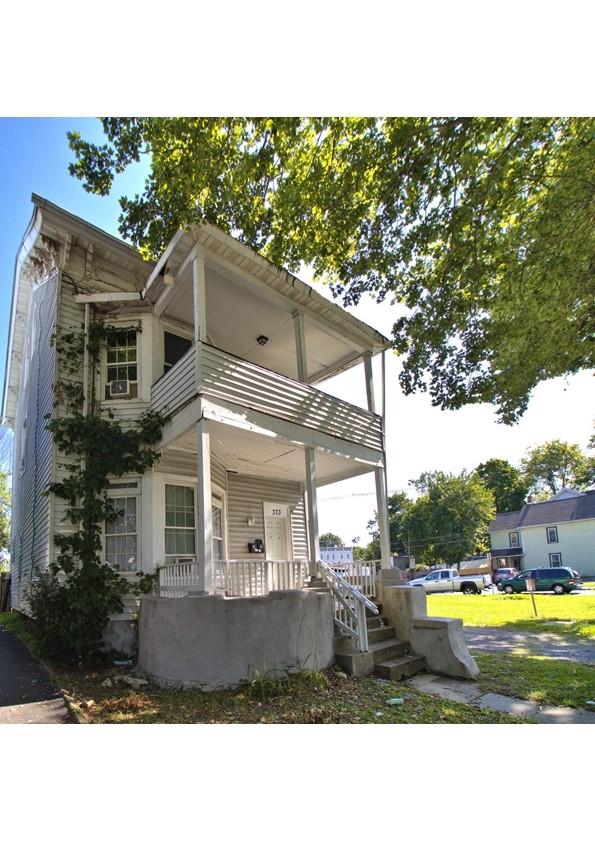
[[588, 584], [516, 611], [321, 697], [543, 680]]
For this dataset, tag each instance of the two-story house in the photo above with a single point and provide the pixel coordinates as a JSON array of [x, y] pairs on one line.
[[233, 351], [557, 533]]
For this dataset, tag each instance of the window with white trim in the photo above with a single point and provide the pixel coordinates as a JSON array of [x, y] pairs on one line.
[[218, 542], [555, 559], [513, 539], [552, 534], [180, 521], [122, 362], [121, 533]]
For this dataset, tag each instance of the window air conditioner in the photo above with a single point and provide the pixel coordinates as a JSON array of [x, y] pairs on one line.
[[119, 388]]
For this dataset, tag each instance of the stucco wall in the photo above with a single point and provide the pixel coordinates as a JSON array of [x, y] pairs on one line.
[[212, 641]]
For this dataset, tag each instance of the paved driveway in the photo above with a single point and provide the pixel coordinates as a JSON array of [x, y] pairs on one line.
[[26, 693], [514, 642]]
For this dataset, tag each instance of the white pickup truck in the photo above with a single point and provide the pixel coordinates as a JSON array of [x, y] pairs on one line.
[[442, 581]]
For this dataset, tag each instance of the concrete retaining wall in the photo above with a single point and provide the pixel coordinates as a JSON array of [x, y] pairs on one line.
[[210, 641]]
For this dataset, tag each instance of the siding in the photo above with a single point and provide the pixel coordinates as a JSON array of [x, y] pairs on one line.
[[245, 496], [576, 543], [31, 534], [184, 464]]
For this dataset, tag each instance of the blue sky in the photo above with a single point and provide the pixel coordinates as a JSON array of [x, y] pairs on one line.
[[34, 157]]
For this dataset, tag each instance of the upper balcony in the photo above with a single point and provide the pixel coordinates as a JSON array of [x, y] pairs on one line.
[[225, 377]]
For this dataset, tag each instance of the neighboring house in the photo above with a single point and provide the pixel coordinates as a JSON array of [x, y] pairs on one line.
[[330, 554], [232, 350], [557, 533]]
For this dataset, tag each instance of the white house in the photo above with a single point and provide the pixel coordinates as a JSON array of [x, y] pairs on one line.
[[335, 554], [232, 350], [557, 533]]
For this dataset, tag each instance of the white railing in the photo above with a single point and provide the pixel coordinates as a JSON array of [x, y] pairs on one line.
[[350, 606], [360, 574], [178, 578], [233, 379], [256, 577]]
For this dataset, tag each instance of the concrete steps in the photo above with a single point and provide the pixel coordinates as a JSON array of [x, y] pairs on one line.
[[396, 669]]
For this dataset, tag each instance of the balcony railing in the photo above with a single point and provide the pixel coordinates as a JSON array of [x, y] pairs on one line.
[[230, 378]]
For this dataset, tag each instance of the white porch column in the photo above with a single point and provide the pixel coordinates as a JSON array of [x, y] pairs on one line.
[[204, 527], [310, 452], [379, 476], [200, 311]]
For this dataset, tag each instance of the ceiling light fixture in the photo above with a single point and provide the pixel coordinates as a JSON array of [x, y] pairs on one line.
[[262, 340]]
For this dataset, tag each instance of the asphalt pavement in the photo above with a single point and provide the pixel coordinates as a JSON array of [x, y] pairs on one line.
[[26, 692]]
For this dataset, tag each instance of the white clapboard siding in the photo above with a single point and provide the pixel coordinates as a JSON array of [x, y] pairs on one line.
[[233, 379], [245, 496], [33, 447]]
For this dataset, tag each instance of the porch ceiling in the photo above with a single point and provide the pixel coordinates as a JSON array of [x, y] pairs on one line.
[[237, 314], [263, 456]]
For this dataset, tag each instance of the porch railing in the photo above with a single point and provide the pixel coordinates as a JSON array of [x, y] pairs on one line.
[[350, 606], [360, 574], [256, 577], [238, 381]]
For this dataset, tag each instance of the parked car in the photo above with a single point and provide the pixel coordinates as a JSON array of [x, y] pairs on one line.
[[557, 579], [441, 581], [503, 573]]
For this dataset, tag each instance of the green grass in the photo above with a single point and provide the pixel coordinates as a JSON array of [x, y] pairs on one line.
[[321, 698], [516, 611], [588, 584], [543, 680]]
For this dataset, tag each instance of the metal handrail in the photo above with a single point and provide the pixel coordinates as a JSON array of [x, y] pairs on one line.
[[350, 606]]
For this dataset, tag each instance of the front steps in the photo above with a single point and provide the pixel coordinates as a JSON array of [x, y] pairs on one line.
[[387, 657]]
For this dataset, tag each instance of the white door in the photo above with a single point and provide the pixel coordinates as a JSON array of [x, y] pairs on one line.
[[277, 532]]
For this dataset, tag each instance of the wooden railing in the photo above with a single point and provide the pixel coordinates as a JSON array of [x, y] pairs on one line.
[[235, 578], [350, 606], [231, 378]]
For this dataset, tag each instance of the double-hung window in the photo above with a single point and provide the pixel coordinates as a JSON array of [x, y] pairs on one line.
[[555, 559], [122, 364], [552, 534], [217, 517], [513, 539], [121, 534], [180, 522]]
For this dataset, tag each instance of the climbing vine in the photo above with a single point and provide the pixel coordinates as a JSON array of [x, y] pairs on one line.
[[72, 603]]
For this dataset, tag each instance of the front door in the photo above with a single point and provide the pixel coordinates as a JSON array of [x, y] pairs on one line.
[[277, 531]]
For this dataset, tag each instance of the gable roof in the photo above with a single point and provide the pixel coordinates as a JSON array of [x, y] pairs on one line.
[[580, 507]]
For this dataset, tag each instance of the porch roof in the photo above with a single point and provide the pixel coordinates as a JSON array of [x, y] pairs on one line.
[[263, 296]]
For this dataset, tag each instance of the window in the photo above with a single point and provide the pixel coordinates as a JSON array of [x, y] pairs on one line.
[[121, 534], [555, 559], [513, 539], [444, 574], [433, 576], [122, 363], [180, 523], [217, 510], [174, 348], [552, 534]]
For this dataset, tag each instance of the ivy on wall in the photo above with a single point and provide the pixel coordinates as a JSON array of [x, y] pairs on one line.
[[73, 601]]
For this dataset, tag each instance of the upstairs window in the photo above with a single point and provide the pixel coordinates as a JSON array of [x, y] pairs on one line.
[[552, 534], [174, 348], [122, 366], [513, 539]]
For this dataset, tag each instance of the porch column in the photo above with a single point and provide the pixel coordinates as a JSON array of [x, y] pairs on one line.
[[200, 320], [204, 527], [379, 475], [310, 452]]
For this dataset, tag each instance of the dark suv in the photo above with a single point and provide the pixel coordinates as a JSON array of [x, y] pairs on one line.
[[557, 579]]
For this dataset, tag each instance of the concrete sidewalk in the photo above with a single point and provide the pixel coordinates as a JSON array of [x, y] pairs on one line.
[[470, 694], [26, 693], [503, 641]]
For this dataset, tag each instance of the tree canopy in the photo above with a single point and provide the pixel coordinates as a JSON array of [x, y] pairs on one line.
[[329, 539], [449, 520], [482, 228], [506, 482], [555, 464]]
